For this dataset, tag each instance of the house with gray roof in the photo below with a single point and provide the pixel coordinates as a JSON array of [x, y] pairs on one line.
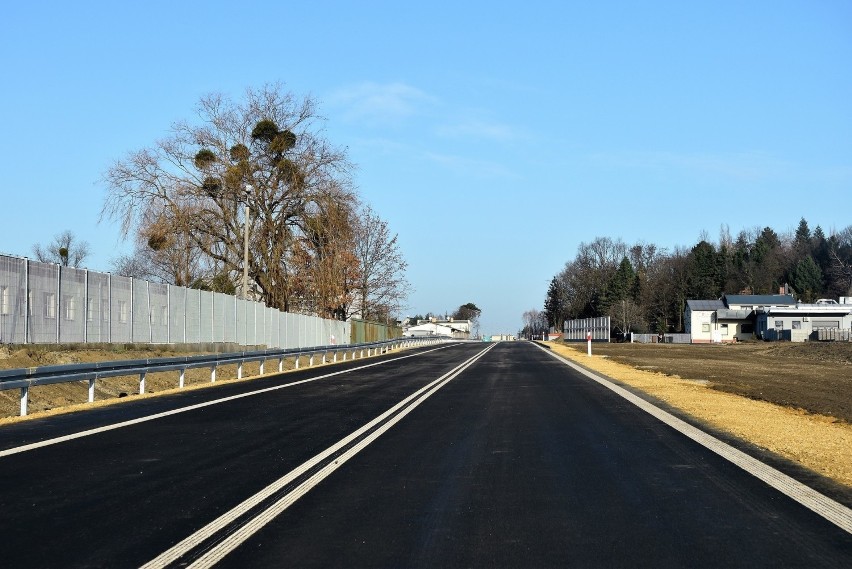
[[736, 317], [731, 318]]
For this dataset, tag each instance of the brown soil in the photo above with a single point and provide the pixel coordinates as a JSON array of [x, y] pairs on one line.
[[790, 402], [815, 377]]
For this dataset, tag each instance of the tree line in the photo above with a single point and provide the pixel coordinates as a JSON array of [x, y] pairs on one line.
[[644, 288], [257, 171]]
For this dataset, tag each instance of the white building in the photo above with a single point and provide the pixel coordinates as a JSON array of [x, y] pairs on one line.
[[805, 321], [770, 316], [457, 329]]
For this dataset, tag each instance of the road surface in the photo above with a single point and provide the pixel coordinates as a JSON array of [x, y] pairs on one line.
[[464, 455]]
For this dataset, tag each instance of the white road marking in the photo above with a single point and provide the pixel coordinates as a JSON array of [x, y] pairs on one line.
[[833, 511], [252, 526], [105, 428]]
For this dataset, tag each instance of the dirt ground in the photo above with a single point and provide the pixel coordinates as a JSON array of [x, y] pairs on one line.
[[813, 376], [792, 402]]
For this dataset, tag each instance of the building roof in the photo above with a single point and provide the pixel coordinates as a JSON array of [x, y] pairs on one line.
[[760, 299], [695, 305], [812, 310], [728, 314]]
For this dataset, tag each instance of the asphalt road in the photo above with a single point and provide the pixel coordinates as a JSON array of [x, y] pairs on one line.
[[469, 455]]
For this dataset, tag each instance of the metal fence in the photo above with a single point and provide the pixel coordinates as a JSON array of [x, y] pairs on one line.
[[576, 330], [364, 331], [42, 303], [660, 338]]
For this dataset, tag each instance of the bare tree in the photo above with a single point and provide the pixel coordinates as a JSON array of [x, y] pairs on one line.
[[840, 253], [264, 154], [535, 324], [382, 287], [328, 271], [165, 256], [65, 250]]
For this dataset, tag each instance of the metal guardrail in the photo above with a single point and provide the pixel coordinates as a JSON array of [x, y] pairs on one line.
[[25, 378]]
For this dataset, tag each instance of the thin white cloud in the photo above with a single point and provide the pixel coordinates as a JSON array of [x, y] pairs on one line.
[[377, 102]]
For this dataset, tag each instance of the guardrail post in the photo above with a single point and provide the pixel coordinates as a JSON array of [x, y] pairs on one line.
[[240, 370], [344, 355], [25, 395], [280, 364], [262, 362], [311, 361], [298, 356], [182, 377], [91, 390], [323, 358], [142, 383], [213, 373]]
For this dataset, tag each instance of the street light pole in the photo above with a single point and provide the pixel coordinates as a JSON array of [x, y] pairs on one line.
[[245, 250]]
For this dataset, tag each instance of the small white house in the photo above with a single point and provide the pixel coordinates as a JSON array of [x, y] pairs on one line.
[[700, 320], [731, 318]]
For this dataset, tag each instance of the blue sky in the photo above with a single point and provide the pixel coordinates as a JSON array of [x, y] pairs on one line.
[[494, 137]]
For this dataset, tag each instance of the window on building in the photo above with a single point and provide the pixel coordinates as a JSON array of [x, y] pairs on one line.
[[797, 324], [70, 304], [779, 324], [705, 327], [50, 305], [5, 300], [723, 328]]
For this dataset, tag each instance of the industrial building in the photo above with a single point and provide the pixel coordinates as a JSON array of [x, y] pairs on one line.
[[768, 317]]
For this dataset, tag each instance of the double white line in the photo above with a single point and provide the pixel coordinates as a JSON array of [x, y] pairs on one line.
[[384, 422]]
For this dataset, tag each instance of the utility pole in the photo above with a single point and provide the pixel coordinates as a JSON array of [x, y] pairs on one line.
[[245, 250]]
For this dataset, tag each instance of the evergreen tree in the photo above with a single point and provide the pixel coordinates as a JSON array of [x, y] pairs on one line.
[[821, 251], [768, 269], [623, 282], [553, 305], [703, 273], [803, 236], [807, 279]]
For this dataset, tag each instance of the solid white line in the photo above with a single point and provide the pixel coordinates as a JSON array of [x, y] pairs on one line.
[[105, 428], [836, 513], [255, 524]]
